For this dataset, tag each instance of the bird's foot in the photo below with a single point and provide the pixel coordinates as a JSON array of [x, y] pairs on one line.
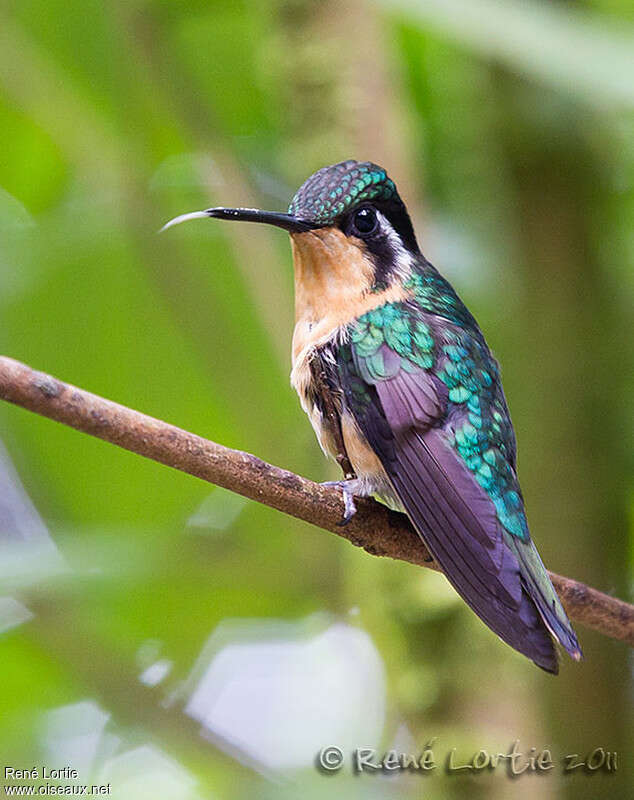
[[349, 488]]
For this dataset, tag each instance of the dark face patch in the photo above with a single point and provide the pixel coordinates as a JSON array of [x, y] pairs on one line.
[[333, 191], [379, 241]]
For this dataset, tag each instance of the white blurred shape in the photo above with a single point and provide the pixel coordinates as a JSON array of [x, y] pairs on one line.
[[281, 695], [219, 510], [147, 772], [157, 672], [27, 552], [74, 736], [19, 521], [12, 613]]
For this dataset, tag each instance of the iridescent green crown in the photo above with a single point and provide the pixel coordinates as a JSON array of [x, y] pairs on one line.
[[331, 191]]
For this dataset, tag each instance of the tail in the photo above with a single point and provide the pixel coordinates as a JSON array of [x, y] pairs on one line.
[[542, 593], [458, 523]]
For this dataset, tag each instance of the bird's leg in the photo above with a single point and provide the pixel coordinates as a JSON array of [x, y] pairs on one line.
[[350, 487]]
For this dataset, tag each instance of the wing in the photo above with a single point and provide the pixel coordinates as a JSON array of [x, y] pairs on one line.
[[431, 407]]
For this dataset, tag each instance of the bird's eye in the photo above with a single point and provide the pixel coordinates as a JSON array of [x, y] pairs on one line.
[[364, 222]]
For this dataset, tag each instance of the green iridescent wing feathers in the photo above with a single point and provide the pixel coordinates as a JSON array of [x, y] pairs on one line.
[[482, 432]]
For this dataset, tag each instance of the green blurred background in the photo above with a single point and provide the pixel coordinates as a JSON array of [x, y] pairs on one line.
[[177, 641]]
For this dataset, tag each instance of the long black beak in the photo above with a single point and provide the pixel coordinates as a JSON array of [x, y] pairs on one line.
[[286, 221]]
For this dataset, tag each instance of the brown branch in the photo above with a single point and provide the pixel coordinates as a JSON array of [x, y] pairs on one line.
[[375, 528]]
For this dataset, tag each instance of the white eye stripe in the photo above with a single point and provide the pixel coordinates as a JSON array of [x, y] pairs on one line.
[[403, 259]]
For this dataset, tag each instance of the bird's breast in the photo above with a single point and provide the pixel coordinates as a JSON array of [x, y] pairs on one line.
[[307, 364]]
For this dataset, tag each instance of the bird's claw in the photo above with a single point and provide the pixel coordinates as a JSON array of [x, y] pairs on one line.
[[350, 508]]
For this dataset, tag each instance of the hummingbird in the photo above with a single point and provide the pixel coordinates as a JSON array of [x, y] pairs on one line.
[[405, 395]]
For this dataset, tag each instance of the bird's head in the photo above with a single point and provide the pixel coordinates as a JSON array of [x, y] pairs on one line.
[[347, 224]]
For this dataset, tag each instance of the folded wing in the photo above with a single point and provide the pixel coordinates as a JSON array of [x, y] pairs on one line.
[[409, 420]]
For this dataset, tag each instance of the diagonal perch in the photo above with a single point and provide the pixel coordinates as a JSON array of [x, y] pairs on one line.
[[375, 528]]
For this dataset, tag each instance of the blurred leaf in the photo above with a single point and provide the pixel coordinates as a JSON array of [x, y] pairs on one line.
[[570, 50]]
